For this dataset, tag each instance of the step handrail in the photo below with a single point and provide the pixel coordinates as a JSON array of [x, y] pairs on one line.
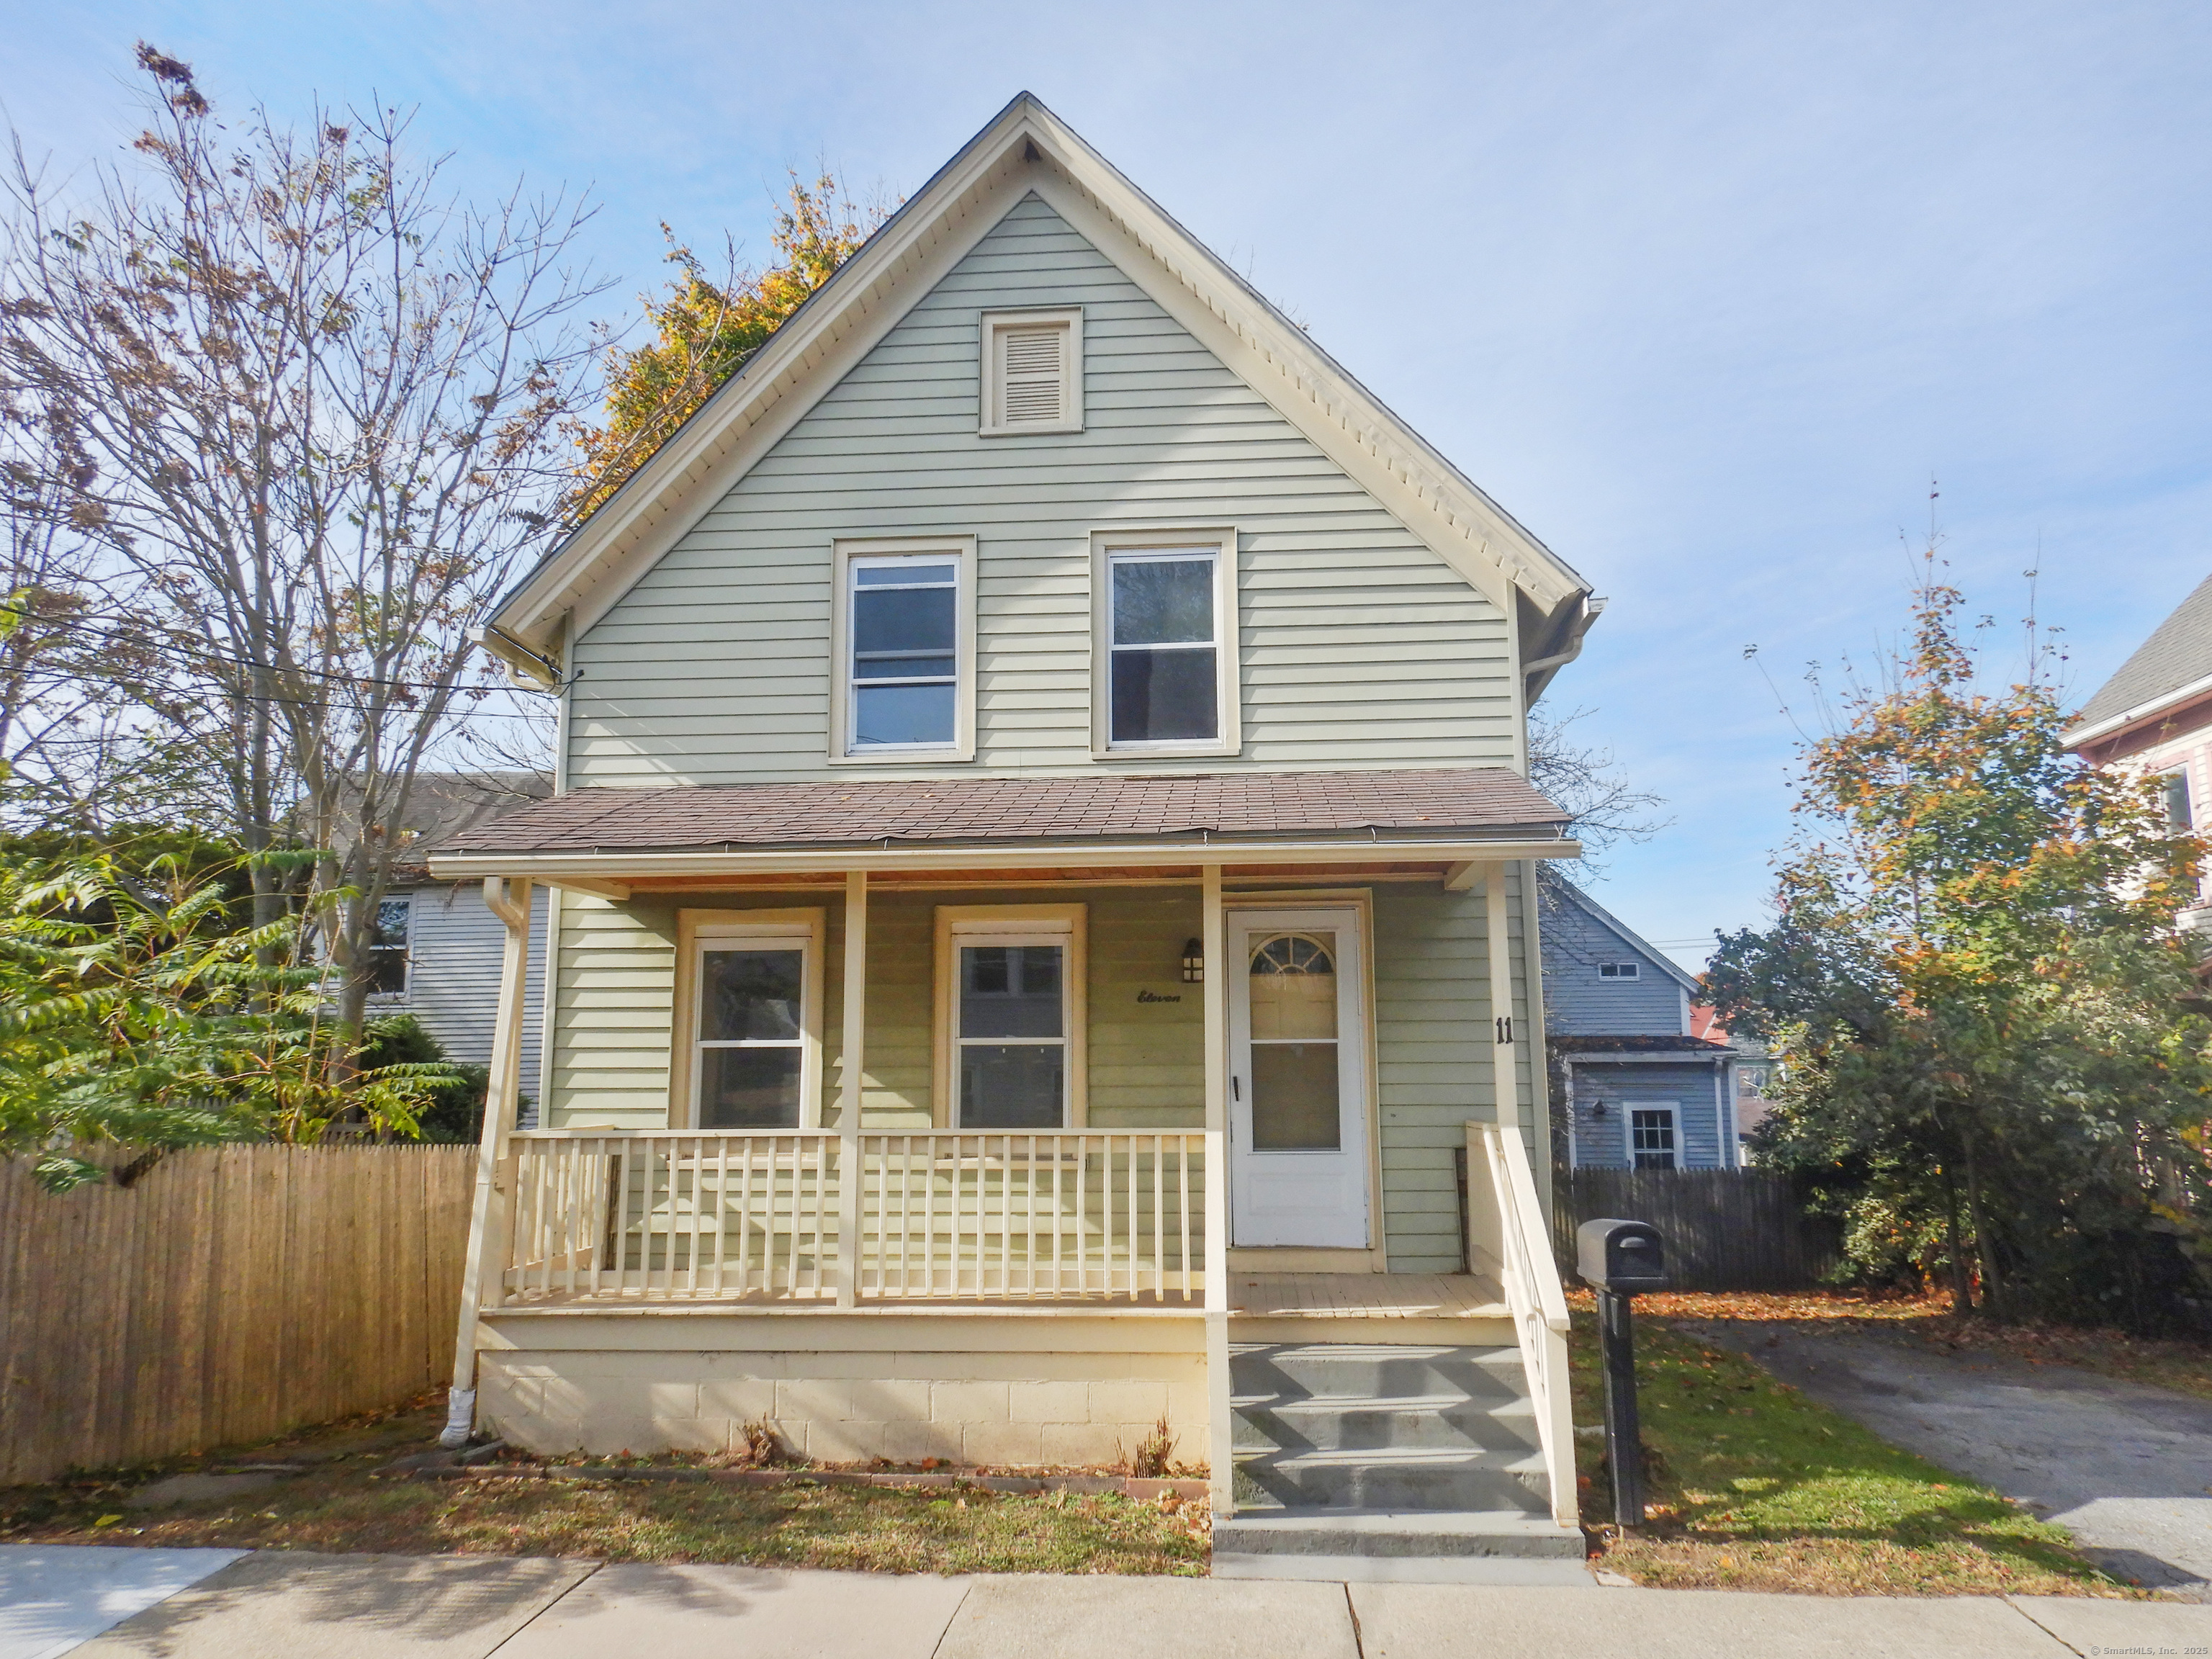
[[1529, 1277]]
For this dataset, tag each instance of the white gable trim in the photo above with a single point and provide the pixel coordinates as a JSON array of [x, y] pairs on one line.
[[1025, 149], [1629, 937]]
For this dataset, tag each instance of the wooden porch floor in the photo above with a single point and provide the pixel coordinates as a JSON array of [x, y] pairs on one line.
[[1269, 1297]]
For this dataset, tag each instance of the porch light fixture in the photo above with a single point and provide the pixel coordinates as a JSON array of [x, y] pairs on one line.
[[1194, 963]]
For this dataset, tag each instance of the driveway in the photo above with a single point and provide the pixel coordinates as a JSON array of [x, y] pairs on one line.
[[2127, 1467]]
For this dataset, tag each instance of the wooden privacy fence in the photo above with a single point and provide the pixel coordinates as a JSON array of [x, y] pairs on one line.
[[1725, 1230], [231, 1293]]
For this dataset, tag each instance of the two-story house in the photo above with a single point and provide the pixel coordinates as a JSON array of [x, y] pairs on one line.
[[1042, 886], [2154, 718], [1639, 1088]]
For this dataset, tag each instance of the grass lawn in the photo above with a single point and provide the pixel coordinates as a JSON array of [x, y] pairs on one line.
[[338, 1504], [1753, 1485]]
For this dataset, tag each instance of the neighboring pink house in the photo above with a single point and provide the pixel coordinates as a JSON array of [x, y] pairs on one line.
[[2155, 716]]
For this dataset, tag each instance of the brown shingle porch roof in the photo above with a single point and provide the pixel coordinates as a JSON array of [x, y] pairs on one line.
[[1489, 801]]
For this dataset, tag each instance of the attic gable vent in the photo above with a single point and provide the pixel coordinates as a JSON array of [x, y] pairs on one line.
[[1032, 372]]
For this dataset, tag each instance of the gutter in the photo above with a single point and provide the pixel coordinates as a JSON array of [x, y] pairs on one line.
[[2142, 711]]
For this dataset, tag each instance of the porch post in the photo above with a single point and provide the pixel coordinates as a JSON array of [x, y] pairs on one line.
[[482, 1278], [1220, 1429], [849, 1094], [1504, 1040]]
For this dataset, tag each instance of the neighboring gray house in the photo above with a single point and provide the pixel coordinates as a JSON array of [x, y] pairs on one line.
[[438, 947], [1640, 1090]]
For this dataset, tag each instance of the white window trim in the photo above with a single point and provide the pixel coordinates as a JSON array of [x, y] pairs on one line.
[[387, 998], [1067, 924], [1221, 541], [1629, 1108], [988, 424], [698, 929], [844, 551]]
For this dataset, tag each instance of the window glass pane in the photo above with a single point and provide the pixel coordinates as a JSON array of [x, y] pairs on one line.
[[902, 713], [1293, 992], [1160, 601], [748, 1088], [1016, 1086], [1010, 991], [391, 922], [387, 971], [2177, 800], [1160, 697], [901, 575], [750, 996], [1294, 1097], [902, 620]]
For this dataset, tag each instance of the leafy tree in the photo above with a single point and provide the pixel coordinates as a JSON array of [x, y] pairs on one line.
[[139, 1008], [707, 328], [294, 416], [1976, 990]]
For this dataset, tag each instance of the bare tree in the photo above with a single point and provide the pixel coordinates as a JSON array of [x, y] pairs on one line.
[[318, 408]]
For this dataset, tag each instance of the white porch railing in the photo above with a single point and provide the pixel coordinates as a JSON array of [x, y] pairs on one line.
[[677, 1214], [1530, 1279]]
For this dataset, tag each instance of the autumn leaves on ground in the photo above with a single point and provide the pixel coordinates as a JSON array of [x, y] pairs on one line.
[[1753, 1485]]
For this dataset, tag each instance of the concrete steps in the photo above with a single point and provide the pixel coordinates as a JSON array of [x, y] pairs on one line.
[[1388, 1456]]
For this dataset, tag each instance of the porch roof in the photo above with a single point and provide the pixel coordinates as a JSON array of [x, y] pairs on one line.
[[1413, 806]]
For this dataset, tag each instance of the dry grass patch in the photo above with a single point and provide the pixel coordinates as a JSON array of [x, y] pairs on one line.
[[1753, 1485], [338, 1503]]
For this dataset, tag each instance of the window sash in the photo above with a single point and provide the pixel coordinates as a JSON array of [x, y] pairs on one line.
[[961, 943], [1119, 650], [706, 943], [939, 573]]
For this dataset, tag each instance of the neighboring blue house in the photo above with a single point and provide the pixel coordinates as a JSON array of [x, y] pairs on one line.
[[1637, 1090]]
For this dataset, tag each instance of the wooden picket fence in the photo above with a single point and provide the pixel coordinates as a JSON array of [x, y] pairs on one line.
[[230, 1293], [1722, 1229]]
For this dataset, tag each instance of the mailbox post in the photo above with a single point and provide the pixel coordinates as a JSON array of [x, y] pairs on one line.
[[1617, 1259]]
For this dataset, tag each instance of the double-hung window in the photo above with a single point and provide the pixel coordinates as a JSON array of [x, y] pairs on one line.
[[1164, 648], [902, 643], [388, 946], [1651, 1138], [754, 995], [1012, 990]]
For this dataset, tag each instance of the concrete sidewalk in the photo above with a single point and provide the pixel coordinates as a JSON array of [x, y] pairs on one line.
[[366, 1607]]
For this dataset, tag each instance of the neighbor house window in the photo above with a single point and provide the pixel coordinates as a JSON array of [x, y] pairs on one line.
[[754, 989], [1619, 970], [388, 947], [1011, 988], [904, 651], [1651, 1137], [1166, 648], [1032, 364], [2177, 813]]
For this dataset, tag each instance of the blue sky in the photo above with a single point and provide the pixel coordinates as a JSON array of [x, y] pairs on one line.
[[1705, 294]]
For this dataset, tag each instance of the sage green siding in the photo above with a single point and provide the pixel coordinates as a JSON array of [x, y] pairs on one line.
[[1359, 645], [1432, 1032]]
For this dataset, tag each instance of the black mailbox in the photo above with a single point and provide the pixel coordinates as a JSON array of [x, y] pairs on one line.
[[1622, 1256]]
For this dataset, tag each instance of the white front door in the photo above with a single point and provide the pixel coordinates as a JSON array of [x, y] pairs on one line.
[[1298, 1078]]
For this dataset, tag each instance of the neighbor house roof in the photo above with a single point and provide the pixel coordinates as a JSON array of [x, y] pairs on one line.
[[1026, 149], [1575, 1042], [1634, 940], [2174, 662], [1487, 800]]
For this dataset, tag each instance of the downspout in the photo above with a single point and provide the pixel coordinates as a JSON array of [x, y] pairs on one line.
[[482, 1278]]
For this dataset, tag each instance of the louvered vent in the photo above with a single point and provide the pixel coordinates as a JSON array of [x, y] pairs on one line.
[[1031, 378]]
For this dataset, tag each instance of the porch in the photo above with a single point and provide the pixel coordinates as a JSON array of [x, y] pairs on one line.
[[982, 1154]]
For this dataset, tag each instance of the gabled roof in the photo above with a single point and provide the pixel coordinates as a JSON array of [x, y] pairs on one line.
[[2174, 662], [1630, 938], [1027, 150]]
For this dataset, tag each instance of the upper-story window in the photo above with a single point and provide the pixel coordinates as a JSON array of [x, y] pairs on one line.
[[904, 651], [1620, 970], [1032, 372], [1165, 651], [2177, 813]]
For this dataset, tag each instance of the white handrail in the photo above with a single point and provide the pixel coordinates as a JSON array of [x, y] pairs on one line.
[[1530, 1279]]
